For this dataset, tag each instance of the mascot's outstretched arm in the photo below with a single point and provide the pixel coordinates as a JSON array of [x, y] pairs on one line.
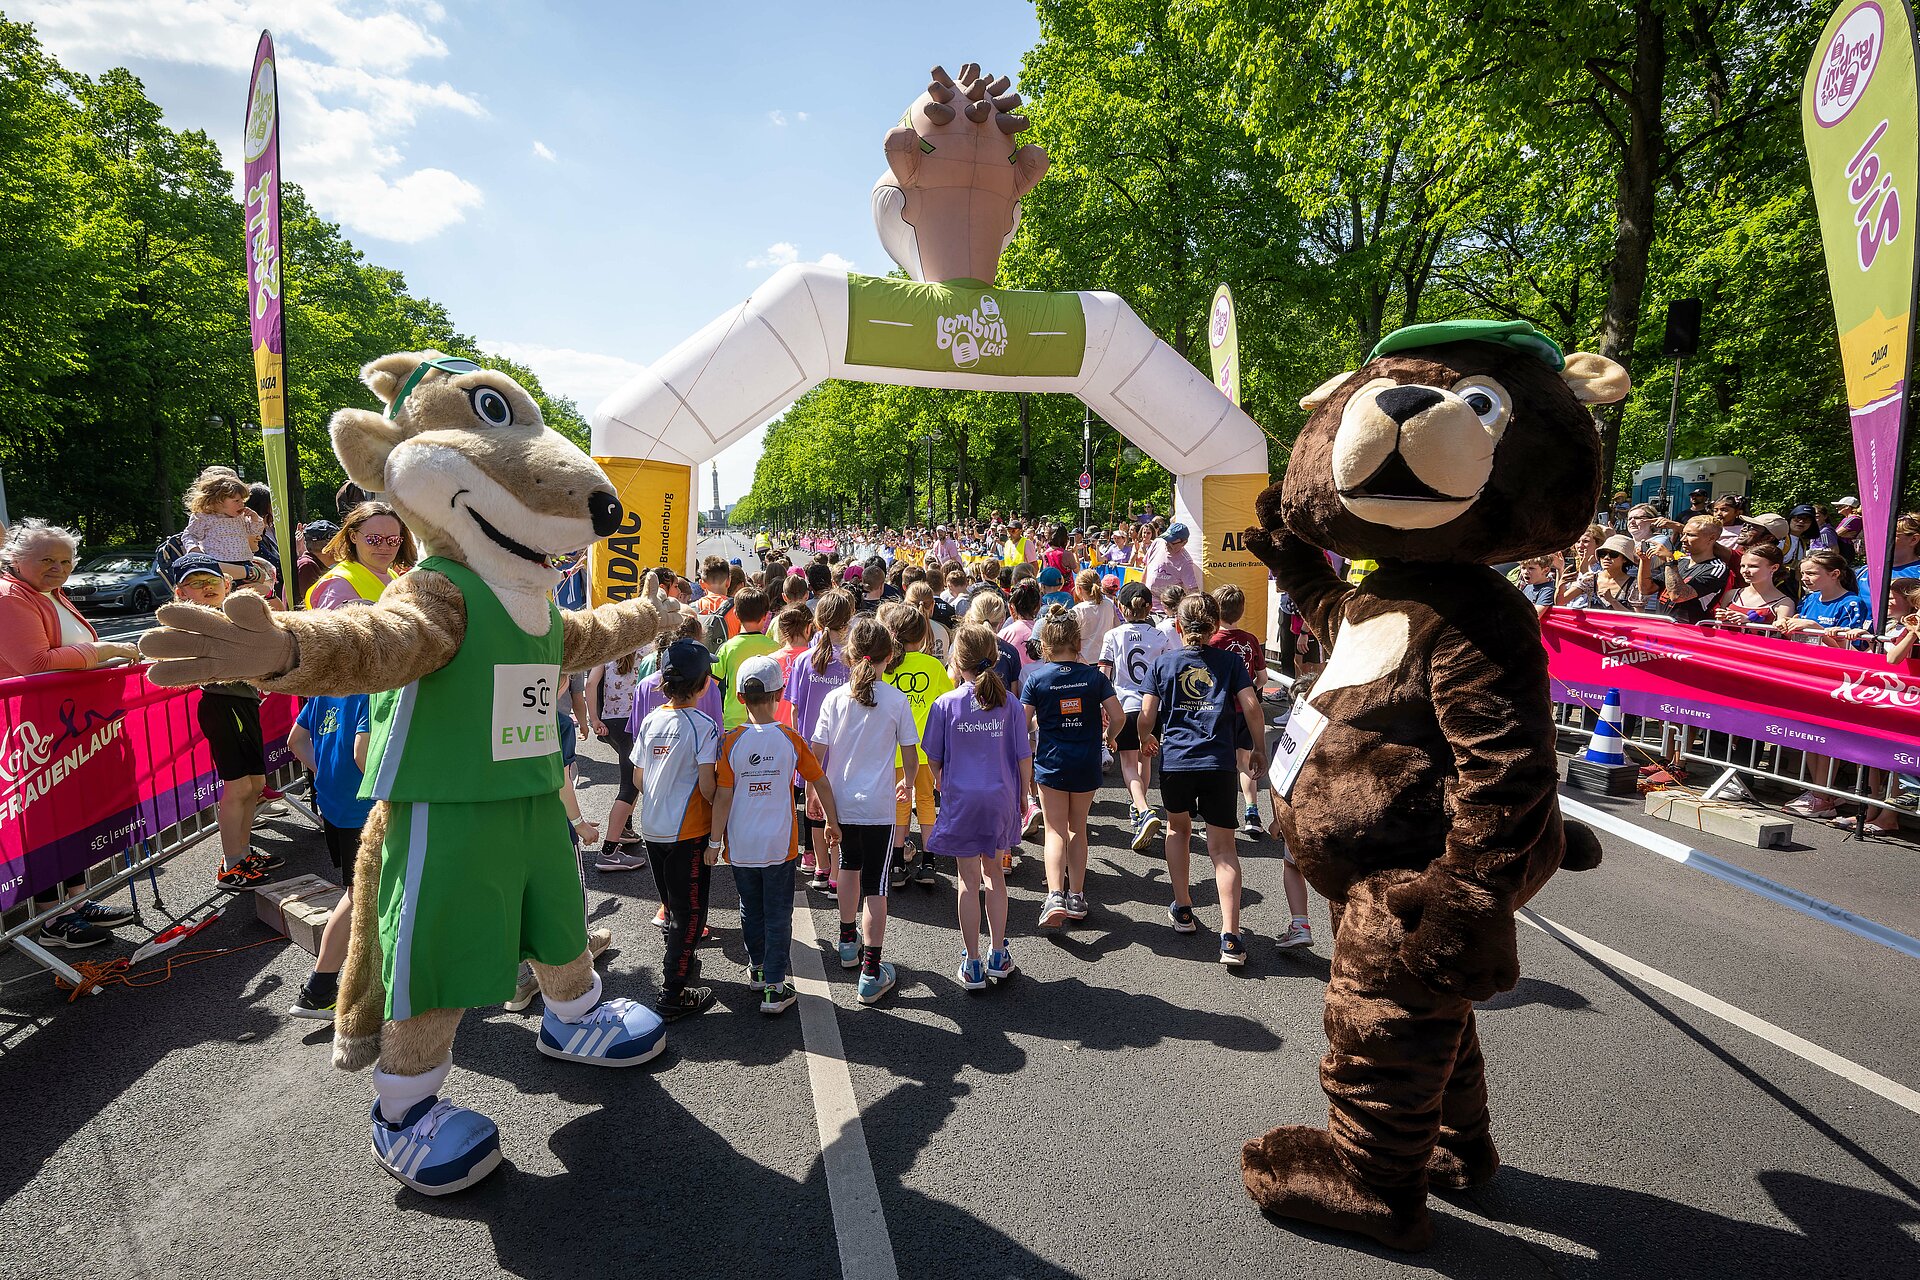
[[1303, 573]]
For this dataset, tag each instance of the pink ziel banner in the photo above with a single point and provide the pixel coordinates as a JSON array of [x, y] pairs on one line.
[[1810, 697], [93, 762]]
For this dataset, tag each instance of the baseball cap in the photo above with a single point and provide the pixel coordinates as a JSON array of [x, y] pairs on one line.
[[320, 530], [1802, 510], [1177, 533], [759, 675], [1110, 582], [195, 562], [1050, 577], [1131, 592], [1847, 502], [685, 659]]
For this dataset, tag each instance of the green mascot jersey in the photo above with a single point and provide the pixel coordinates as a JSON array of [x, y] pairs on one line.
[[477, 868]]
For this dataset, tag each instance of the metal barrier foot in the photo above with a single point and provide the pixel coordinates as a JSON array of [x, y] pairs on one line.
[[47, 960]]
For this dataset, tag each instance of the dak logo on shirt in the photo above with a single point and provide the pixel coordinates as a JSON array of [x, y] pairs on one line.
[[524, 699]]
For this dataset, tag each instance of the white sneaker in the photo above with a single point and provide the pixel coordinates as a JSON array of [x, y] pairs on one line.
[[1297, 935]]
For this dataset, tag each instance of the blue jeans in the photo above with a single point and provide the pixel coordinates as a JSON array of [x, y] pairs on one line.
[[766, 917]]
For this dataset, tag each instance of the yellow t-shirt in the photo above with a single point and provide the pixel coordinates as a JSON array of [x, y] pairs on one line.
[[922, 678]]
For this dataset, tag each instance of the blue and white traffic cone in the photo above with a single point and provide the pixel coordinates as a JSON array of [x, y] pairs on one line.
[[1607, 747]]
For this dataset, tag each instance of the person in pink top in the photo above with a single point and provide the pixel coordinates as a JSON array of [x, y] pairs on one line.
[[1170, 565]]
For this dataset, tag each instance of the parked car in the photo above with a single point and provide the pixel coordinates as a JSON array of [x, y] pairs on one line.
[[118, 578]]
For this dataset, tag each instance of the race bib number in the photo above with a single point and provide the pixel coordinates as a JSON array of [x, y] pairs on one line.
[[525, 698], [1302, 729]]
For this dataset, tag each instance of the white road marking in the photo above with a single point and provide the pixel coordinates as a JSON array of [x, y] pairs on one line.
[[859, 1221], [1872, 1081], [1738, 876]]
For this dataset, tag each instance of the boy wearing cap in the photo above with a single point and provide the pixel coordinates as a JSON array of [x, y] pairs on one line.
[[1053, 589], [754, 817]]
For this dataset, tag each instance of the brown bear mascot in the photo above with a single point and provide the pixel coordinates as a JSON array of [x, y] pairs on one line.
[[1417, 784]]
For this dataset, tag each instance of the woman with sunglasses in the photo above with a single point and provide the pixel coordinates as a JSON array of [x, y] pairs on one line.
[[372, 549]]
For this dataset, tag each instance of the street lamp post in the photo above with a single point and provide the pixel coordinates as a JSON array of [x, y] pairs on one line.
[[932, 436], [214, 421]]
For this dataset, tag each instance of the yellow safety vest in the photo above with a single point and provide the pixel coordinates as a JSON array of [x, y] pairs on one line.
[[364, 583], [1015, 552]]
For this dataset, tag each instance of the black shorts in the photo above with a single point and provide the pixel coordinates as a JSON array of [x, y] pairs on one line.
[[343, 847], [868, 850], [1208, 794], [231, 727], [1129, 739]]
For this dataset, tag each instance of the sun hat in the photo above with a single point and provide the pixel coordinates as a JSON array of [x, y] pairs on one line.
[[1621, 544]]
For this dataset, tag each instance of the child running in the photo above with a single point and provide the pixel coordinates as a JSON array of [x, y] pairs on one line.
[[981, 758], [860, 725], [750, 641], [1066, 701], [923, 678], [809, 681], [753, 815], [1127, 656], [674, 759], [330, 738], [1192, 694], [1231, 602]]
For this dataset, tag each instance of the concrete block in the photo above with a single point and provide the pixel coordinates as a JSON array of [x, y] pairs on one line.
[[1746, 824], [298, 908]]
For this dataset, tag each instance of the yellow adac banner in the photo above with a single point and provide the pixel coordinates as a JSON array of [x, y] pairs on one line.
[[652, 534], [1226, 510]]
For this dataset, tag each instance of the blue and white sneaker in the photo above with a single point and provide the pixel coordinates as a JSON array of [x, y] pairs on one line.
[[1182, 916], [973, 975], [102, 916], [617, 1033], [439, 1148], [1233, 952], [875, 985], [1145, 827], [850, 953], [1000, 965]]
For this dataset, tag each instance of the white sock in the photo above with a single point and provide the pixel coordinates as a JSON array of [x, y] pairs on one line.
[[575, 1010], [401, 1094]]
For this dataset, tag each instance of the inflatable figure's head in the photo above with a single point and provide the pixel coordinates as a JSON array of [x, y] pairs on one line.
[[1468, 440], [949, 202], [464, 457]]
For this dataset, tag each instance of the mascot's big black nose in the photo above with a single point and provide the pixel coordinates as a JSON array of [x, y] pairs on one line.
[[1402, 403], [606, 512]]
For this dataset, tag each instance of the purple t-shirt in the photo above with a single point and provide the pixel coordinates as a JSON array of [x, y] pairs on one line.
[[979, 753], [647, 697], [807, 690]]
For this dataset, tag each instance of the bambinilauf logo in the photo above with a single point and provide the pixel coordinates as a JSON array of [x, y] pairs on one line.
[[972, 335]]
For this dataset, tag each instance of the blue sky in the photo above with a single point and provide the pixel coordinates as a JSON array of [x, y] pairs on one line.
[[581, 184]]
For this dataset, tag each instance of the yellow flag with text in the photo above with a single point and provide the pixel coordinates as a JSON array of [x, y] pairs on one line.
[[656, 497]]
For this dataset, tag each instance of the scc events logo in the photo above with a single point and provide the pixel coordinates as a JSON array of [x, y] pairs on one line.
[[1619, 651]]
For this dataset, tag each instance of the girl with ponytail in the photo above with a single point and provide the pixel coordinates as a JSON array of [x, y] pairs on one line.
[[1072, 707], [813, 675], [981, 758], [861, 725]]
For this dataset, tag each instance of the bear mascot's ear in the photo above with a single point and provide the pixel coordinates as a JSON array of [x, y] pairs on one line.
[[1324, 392], [1595, 379]]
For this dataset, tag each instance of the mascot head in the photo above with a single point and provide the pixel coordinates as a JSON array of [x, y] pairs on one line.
[[950, 200], [463, 455], [1467, 440]]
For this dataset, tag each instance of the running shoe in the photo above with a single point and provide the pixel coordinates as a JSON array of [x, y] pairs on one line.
[[268, 794], [1250, 823], [806, 862], [1076, 906], [102, 915], [525, 988], [615, 857], [1053, 911], [265, 859], [72, 933], [778, 998], [1145, 830], [850, 952], [1031, 822], [1810, 804], [1298, 934], [617, 1033], [1233, 952], [973, 974], [438, 1148], [242, 876], [317, 1007], [924, 872], [819, 882], [691, 1000], [832, 891], [660, 919], [875, 985], [1000, 965], [756, 978], [1182, 916]]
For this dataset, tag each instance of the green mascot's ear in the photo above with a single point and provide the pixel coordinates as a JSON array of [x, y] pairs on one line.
[[1324, 392], [1595, 379]]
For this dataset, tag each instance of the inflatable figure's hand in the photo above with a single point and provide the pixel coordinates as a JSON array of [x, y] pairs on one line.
[[1459, 938], [194, 644]]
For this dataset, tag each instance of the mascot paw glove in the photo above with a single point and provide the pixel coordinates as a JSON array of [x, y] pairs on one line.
[[1459, 938], [194, 644]]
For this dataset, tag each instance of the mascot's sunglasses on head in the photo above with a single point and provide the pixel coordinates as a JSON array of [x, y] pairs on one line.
[[1456, 445]]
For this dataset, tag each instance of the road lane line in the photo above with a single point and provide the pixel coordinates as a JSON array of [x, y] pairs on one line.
[[1872, 1081], [1720, 869], [859, 1221]]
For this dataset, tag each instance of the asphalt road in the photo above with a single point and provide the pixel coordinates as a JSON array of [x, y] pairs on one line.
[[1083, 1120]]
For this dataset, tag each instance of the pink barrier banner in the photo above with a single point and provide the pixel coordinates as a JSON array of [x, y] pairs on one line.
[[93, 762], [1809, 697]]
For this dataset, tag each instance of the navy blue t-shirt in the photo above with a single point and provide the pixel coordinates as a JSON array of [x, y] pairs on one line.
[[1199, 692], [1008, 665], [1066, 698]]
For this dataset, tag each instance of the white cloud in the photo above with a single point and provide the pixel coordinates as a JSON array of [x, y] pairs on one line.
[[542, 150], [778, 117], [784, 254], [347, 109], [801, 116], [585, 377]]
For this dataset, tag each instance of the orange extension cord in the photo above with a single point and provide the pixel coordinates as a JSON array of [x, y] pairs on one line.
[[95, 975]]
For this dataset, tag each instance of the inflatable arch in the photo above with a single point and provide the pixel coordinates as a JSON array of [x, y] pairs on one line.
[[946, 209]]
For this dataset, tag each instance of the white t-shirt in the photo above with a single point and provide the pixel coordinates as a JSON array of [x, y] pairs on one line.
[[1096, 618], [758, 761], [671, 746], [855, 745], [1131, 648], [937, 640]]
